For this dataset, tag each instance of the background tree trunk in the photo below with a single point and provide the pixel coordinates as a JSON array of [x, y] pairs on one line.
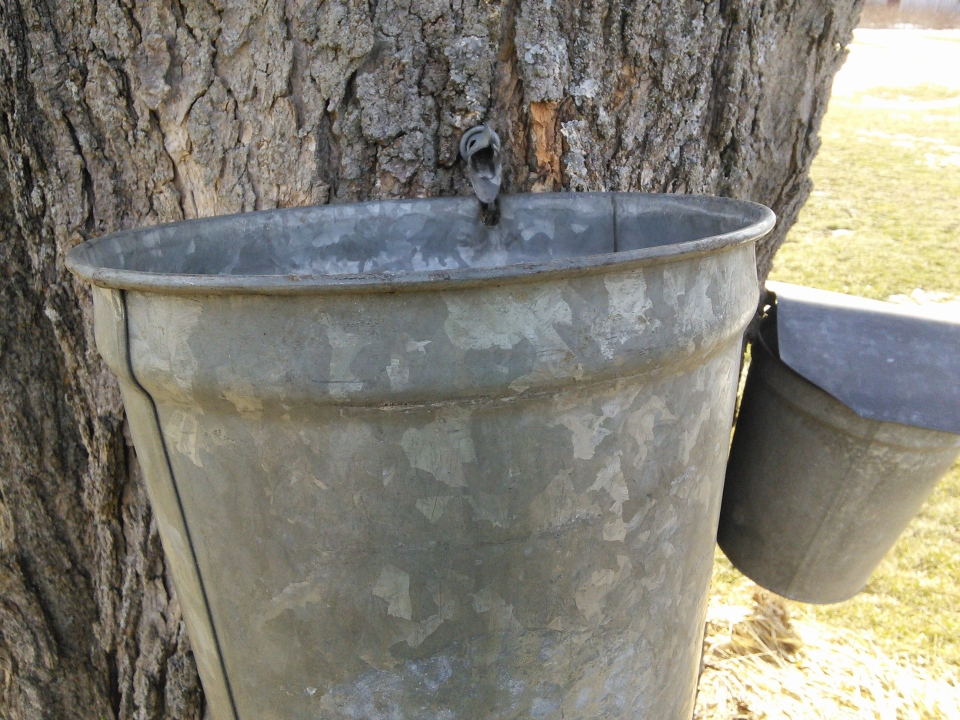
[[124, 113]]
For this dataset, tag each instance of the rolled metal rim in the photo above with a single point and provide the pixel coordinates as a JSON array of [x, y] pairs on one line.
[[81, 260]]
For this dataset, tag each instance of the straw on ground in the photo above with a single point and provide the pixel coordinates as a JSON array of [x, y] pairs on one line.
[[761, 662]]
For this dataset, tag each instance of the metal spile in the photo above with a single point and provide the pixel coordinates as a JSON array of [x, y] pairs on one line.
[[480, 149]]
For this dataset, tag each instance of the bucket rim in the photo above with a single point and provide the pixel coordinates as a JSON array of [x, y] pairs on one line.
[[80, 260]]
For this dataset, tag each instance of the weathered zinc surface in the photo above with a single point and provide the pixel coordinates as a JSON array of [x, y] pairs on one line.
[[477, 499]]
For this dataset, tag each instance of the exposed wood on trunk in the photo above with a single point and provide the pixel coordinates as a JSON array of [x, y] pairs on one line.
[[543, 128], [117, 114]]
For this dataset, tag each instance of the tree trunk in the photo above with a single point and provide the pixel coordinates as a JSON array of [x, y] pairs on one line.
[[118, 114]]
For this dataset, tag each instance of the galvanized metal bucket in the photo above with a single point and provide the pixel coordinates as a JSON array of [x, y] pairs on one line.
[[816, 491], [406, 465]]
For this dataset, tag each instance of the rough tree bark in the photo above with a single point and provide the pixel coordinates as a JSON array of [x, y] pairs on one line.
[[123, 113]]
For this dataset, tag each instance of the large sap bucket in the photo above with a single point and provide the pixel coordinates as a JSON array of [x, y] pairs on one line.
[[850, 415], [406, 465]]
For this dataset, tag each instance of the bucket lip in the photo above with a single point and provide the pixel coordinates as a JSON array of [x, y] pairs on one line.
[[80, 259]]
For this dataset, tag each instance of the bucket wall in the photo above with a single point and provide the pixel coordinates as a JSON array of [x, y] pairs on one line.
[[481, 502]]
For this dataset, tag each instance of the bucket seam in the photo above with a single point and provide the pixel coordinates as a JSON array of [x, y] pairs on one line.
[[176, 491]]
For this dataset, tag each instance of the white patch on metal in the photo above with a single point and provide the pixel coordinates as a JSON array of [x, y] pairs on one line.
[[640, 425], [559, 504], [693, 307], [627, 305], [442, 447], [387, 475], [616, 530], [692, 433], [591, 598], [181, 430], [239, 391], [611, 479], [294, 595], [443, 597], [505, 321], [652, 583], [344, 347], [433, 507], [586, 431], [487, 599], [418, 346], [500, 618], [248, 406], [300, 471], [586, 428], [393, 585], [490, 508], [398, 375], [160, 345]]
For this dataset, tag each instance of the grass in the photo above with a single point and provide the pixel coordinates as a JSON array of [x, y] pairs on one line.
[[884, 217], [884, 220]]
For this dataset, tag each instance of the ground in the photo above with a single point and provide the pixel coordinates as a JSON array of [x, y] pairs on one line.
[[883, 222]]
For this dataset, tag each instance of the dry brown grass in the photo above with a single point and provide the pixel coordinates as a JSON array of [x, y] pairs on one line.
[[769, 660]]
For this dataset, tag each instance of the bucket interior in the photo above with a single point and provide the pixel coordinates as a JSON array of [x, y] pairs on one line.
[[440, 234]]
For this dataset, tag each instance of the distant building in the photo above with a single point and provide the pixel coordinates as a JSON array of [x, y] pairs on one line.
[[946, 6]]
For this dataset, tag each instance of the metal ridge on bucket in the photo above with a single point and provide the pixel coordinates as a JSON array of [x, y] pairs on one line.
[[539, 236]]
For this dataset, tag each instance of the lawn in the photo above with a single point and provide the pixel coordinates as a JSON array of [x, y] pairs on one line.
[[884, 221], [884, 217]]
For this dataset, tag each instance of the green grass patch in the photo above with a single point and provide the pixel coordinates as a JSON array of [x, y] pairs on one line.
[[923, 92], [884, 217]]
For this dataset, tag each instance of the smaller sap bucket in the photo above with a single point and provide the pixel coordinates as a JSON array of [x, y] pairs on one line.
[[406, 464], [849, 417]]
